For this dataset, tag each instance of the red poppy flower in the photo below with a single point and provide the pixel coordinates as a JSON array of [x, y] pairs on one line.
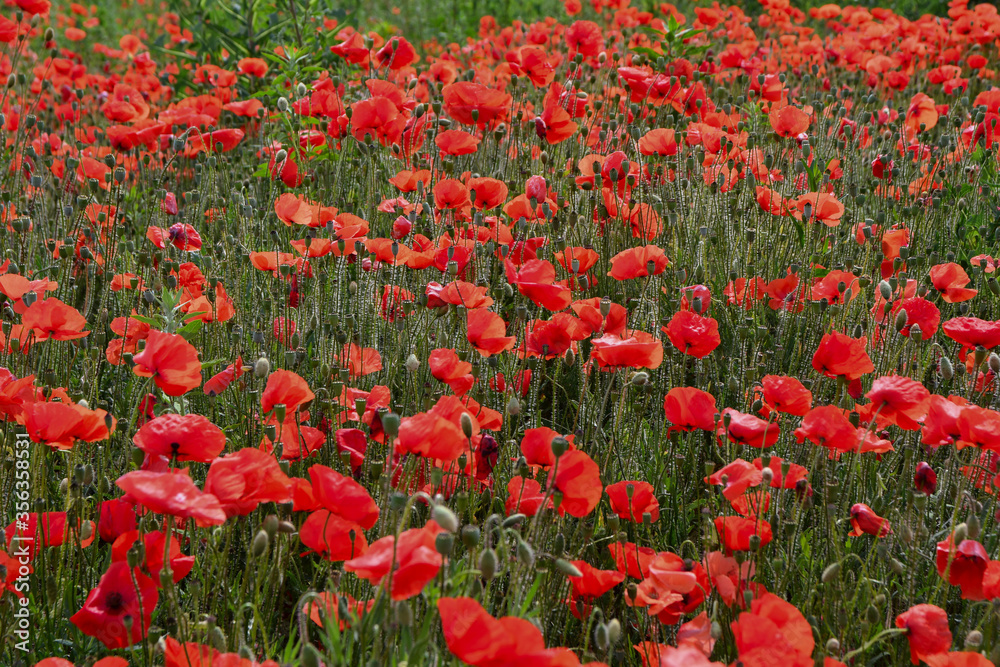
[[525, 496], [360, 361], [827, 426], [632, 500], [285, 388], [47, 529], [485, 330], [899, 399], [786, 394], [447, 367], [332, 536], [737, 531], [409, 562], [480, 640], [456, 142], [963, 565], [244, 479], [788, 121], [172, 493], [925, 479], [739, 476], [693, 334], [155, 544], [865, 520], [950, 280], [659, 141], [536, 445], [978, 427], [689, 408], [116, 517], [52, 319], [773, 632], [839, 355], [746, 429], [972, 331], [926, 629], [378, 118], [181, 437], [638, 350], [923, 313], [578, 479], [474, 104], [638, 263], [397, 54], [671, 588], [60, 425], [941, 422], [432, 436], [116, 598], [590, 585], [171, 361], [343, 496], [535, 279]]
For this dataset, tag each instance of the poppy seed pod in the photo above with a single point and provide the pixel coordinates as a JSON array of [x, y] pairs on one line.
[[444, 543], [470, 536], [390, 424]]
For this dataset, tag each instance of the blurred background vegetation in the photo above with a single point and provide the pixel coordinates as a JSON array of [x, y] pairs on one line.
[[453, 20], [443, 20]]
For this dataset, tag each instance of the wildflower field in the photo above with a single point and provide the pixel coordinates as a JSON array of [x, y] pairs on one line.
[[574, 333]]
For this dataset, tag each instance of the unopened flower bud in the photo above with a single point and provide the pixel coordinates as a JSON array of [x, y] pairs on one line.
[[445, 518], [513, 406], [412, 363], [262, 368], [259, 545]]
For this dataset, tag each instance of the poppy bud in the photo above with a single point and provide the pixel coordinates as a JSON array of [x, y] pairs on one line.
[[445, 518], [309, 656], [961, 532], [901, 318], [925, 479], [135, 555], [601, 638], [488, 564], [567, 568], [513, 407], [259, 545], [466, 421], [270, 525], [947, 370], [833, 645], [262, 368], [513, 521], [525, 554], [973, 526], [974, 639], [994, 362]]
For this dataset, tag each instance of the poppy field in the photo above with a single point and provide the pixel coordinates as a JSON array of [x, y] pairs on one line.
[[622, 334]]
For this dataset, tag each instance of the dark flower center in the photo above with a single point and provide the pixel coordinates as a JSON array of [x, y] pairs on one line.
[[114, 601]]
